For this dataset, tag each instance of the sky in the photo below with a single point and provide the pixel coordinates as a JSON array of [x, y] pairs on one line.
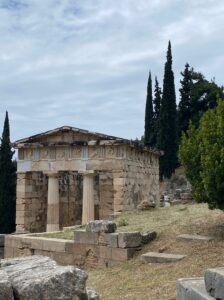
[[85, 63]]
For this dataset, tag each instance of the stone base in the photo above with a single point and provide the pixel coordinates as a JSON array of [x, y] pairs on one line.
[[194, 237], [155, 257]]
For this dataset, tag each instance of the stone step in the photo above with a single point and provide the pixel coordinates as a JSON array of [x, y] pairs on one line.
[[194, 237], [192, 289], [214, 282], [156, 257]]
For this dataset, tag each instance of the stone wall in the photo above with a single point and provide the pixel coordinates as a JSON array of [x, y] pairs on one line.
[[31, 203], [141, 179], [87, 249]]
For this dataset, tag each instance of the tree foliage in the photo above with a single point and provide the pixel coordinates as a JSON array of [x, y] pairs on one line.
[[167, 137], [183, 115], [149, 115], [7, 182], [202, 155]]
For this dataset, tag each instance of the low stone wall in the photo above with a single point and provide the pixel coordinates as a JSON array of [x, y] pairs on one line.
[[2, 245], [90, 248]]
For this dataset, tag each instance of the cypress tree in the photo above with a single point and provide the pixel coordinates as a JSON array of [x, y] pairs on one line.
[[167, 140], [156, 103], [7, 182], [184, 113], [149, 114]]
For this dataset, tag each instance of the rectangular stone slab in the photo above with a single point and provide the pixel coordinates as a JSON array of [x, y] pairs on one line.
[[194, 237], [192, 289], [155, 257], [214, 282]]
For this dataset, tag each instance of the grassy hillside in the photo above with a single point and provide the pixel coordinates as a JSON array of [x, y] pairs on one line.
[[135, 280]]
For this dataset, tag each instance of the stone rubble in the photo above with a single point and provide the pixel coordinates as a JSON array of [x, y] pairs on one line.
[[40, 278]]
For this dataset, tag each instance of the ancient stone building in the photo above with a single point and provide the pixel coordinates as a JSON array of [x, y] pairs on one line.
[[68, 175]]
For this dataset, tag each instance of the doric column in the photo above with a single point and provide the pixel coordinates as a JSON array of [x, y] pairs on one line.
[[88, 197], [53, 202]]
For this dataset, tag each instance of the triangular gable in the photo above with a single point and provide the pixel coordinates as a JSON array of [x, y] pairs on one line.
[[66, 134]]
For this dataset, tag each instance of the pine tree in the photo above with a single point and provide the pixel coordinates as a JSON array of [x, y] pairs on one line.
[[167, 140], [184, 113], [156, 103], [7, 182], [149, 114]]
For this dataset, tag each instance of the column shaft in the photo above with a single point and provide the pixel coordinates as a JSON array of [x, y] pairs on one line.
[[88, 199], [53, 203]]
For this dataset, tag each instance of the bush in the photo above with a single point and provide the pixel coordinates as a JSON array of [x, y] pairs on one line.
[[201, 153]]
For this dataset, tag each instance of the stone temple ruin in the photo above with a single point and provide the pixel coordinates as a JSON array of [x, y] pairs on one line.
[[69, 176]]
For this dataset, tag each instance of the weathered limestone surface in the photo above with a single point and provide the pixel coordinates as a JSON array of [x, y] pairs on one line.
[[192, 289], [101, 226], [214, 282], [6, 291], [155, 257], [40, 278], [129, 239], [194, 237]]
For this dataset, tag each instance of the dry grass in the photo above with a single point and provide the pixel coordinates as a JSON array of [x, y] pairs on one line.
[[135, 280]]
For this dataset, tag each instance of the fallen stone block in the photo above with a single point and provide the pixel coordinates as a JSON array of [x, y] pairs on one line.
[[148, 236], [129, 239], [194, 237], [40, 278], [101, 226], [214, 282], [6, 291], [192, 289], [156, 257]]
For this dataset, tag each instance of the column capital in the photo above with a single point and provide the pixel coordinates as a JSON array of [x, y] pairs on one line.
[[87, 173], [51, 173]]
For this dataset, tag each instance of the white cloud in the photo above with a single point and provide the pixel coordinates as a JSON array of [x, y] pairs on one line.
[[85, 63]]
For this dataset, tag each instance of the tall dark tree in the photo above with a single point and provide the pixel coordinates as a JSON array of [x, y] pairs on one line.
[[7, 182], [167, 140], [149, 114], [156, 104], [204, 95], [184, 113]]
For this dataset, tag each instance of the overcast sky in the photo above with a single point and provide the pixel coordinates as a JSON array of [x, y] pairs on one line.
[[85, 63]]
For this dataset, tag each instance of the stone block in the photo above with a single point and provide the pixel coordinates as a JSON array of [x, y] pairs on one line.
[[112, 240], [69, 246], [105, 252], [85, 237], [155, 257], [192, 289], [122, 254], [2, 240], [101, 226], [148, 236], [6, 291], [194, 237], [54, 245], [214, 282], [129, 239]]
